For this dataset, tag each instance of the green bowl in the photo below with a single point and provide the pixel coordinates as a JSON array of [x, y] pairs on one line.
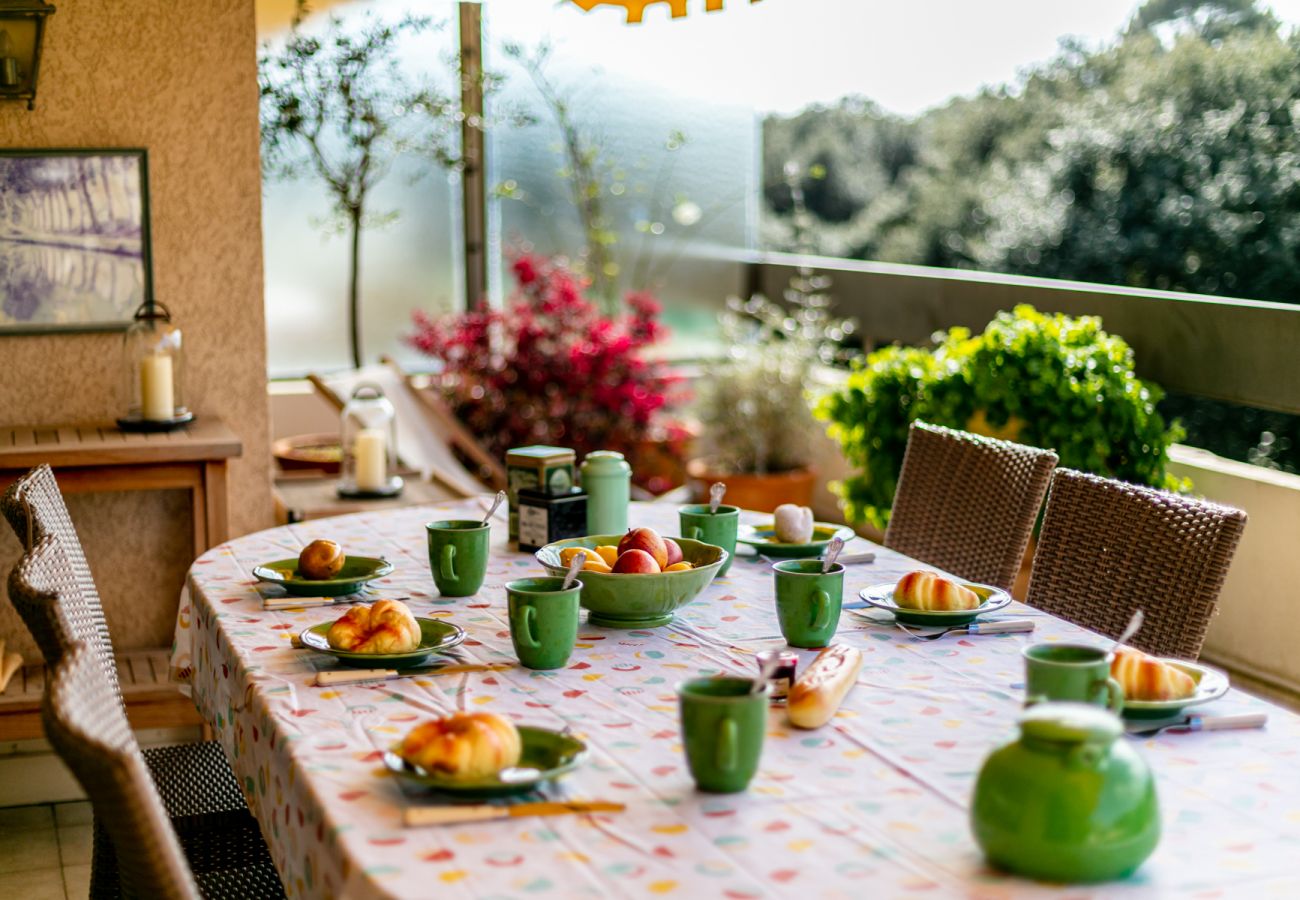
[[637, 601], [435, 637], [544, 755], [356, 571]]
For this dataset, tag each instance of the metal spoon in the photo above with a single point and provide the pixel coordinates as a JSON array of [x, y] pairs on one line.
[[832, 551], [716, 490], [1134, 624], [575, 565], [496, 501]]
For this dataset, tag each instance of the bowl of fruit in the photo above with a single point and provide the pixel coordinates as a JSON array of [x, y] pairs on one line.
[[638, 579]]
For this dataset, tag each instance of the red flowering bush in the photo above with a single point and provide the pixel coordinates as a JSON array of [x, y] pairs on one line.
[[550, 368]]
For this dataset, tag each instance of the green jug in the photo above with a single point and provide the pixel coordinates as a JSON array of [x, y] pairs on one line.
[[1066, 802]]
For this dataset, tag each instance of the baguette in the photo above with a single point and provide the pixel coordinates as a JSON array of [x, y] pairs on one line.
[[818, 692]]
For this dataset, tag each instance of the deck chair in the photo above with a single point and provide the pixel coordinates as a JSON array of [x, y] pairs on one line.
[[427, 433]]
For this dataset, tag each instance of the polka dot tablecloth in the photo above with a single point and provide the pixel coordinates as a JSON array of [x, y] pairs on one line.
[[874, 804]]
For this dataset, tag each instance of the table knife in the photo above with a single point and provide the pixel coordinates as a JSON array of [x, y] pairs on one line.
[[278, 604], [1195, 722], [451, 815], [350, 676]]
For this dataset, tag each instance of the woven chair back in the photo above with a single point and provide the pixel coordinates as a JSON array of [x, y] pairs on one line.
[[1107, 548], [35, 509], [91, 734], [967, 504]]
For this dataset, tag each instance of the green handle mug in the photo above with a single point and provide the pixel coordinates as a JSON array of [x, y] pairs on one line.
[[1074, 672], [458, 555], [543, 621], [821, 610], [449, 562], [695, 533], [528, 629], [728, 736], [723, 722], [719, 528], [808, 601]]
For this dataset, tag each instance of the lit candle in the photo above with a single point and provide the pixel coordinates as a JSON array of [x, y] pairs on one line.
[[157, 399], [371, 452]]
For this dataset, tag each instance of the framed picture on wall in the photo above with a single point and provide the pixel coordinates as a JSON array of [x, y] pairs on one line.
[[74, 239]]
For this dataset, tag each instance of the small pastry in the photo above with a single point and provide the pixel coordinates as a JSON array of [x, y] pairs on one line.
[[463, 746], [321, 560], [928, 591], [792, 524], [385, 626], [1144, 677], [819, 691]]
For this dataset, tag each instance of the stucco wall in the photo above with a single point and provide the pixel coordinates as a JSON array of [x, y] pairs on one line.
[[179, 79]]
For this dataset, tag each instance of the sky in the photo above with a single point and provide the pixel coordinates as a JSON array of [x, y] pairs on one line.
[[781, 55]]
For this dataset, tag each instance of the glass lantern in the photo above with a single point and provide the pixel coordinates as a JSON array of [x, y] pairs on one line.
[[153, 367], [369, 437]]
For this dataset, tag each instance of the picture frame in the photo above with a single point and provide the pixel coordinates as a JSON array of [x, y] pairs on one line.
[[75, 251]]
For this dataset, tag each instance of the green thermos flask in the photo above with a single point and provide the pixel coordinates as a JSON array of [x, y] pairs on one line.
[[607, 479]]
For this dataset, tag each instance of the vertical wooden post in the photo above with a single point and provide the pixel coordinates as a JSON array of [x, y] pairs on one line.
[[474, 153]]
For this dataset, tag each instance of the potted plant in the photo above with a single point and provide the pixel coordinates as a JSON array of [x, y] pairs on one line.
[[757, 424], [549, 367], [1039, 379]]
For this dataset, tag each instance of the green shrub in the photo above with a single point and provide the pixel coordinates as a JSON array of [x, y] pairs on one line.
[[1043, 380]]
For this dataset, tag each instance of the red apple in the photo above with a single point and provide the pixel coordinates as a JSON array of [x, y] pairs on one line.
[[636, 562], [648, 540], [674, 552]]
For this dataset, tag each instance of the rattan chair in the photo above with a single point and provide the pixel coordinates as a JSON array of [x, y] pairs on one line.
[[90, 731], [199, 790], [967, 504], [1107, 548]]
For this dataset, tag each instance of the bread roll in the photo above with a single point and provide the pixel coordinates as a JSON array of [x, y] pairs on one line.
[[928, 591], [385, 626], [463, 746], [1144, 677], [818, 692]]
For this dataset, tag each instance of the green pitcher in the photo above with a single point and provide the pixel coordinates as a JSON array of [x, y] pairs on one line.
[[718, 529], [723, 723], [458, 555], [1067, 801]]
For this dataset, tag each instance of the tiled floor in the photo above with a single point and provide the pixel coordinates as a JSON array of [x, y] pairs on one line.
[[45, 851]]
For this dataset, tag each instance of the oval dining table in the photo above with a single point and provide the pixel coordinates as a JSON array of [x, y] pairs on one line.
[[873, 804]]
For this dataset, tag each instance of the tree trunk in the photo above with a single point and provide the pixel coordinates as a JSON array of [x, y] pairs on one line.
[[354, 284]]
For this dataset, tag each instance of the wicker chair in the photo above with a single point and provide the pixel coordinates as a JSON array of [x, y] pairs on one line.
[[967, 504], [199, 790], [1107, 548], [91, 733]]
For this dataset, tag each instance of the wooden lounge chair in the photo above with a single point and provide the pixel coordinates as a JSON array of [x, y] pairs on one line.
[[1107, 548], [967, 504]]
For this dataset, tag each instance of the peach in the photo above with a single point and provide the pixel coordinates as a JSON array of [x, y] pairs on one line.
[[679, 567], [647, 540], [609, 553], [636, 562], [674, 552]]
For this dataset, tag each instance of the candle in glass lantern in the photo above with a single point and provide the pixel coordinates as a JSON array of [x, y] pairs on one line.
[[156, 398], [371, 452]]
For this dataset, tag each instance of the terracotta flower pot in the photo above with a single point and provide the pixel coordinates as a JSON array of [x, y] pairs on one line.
[[760, 492]]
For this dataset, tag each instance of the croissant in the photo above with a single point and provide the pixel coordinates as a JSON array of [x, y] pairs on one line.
[[1144, 677], [926, 590], [386, 626], [463, 746]]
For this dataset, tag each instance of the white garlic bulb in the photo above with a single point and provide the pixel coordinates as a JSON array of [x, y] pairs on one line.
[[793, 524]]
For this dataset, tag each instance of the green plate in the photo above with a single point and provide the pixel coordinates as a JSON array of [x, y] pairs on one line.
[[435, 637], [356, 571], [881, 596], [545, 755], [763, 539], [625, 600], [1211, 684]]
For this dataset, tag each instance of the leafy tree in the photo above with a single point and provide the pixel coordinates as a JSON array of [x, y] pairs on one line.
[[339, 105]]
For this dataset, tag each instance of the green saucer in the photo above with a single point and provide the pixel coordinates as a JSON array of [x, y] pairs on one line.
[[881, 596], [545, 755], [1211, 684], [435, 637], [356, 571], [763, 539]]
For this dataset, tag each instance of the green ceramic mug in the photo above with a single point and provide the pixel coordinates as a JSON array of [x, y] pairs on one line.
[[1070, 672], [808, 602], [543, 621], [723, 723], [458, 555], [718, 529]]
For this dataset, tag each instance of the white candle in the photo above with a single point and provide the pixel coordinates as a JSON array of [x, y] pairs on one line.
[[371, 452], [157, 400]]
